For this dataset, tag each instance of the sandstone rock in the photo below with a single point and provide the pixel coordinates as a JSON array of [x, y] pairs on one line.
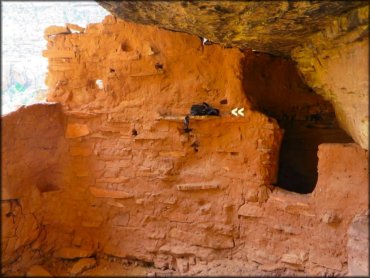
[[55, 30], [38, 271], [210, 241], [115, 204], [197, 186], [162, 261], [76, 130], [326, 62], [295, 258], [287, 228], [75, 27], [73, 253], [254, 28], [330, 217], [272, 267], [251, 195], [299, 208], [182, 249], [182, 265], [262, 257], [263, 193], [147, 50], [250, 210], [82, 265]]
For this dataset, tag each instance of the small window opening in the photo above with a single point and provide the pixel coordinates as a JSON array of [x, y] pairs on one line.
[[100, 84]]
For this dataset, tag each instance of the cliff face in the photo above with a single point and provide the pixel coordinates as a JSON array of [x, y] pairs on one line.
[[274, 27], [335, 63], [327, 39], [125, 180]]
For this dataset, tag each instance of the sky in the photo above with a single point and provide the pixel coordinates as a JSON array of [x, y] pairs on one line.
[[23, 24]]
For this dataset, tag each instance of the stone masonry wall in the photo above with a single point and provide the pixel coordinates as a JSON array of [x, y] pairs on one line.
[[144, 186], [33, 150], [130, 183]]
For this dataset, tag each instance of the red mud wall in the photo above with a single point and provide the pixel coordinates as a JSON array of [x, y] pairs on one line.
[[152, 193], [33, 149], [148, 194]]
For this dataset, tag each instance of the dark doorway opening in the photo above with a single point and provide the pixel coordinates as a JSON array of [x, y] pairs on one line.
[[298, 153], [275, 88]]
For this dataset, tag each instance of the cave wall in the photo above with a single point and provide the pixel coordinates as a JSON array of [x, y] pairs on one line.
[[335, 63], [274, 27], [149, 194]]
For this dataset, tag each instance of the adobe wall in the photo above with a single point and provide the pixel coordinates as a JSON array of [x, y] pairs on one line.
[[33, 150], [154, 190], [149, 194]]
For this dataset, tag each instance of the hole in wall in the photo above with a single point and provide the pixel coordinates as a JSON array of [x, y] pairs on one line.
[[126, 47], [99, 83], [134, 132], [275, 88], [159, 67]]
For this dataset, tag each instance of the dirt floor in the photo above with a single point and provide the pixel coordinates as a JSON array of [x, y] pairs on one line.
[[114, 266]]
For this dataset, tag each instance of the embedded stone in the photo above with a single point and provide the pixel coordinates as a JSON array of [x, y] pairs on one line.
[[330, 217], [55, 30], [75, 27], [76, 130], [294, 258], [182, 265], [38, 271], [197, 186], [250, 210], [82, 265]]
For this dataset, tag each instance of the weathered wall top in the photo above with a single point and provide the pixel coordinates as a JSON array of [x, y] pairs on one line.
[[274, 27]]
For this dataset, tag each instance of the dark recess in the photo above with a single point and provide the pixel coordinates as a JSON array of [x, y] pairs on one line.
[[275, 88]]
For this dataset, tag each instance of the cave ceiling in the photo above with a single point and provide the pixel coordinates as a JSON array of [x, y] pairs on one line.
[[274, 27]]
